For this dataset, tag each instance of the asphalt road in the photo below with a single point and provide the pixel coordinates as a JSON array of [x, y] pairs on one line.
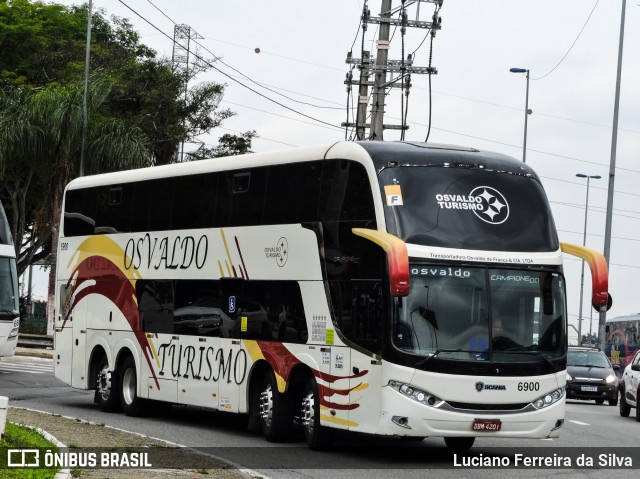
[[591, 428]]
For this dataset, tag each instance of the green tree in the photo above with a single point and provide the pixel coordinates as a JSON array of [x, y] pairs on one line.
[[133, 94], [40, 138], [44, 44], [228, 145]]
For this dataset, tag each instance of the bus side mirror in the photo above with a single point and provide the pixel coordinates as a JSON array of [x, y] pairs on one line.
[[600, 296], [607, 306], [397, 258]]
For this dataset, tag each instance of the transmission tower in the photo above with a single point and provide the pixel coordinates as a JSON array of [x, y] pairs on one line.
[[381, 65], [182, 36]]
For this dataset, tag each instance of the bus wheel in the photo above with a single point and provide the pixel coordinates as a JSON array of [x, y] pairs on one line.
[[107, 387], [318, 437], [461, 443], [276, 413], [638, 405], [625, 409], [132, 405]]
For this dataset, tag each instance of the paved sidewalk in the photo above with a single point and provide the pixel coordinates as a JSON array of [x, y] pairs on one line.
[[74, 431], [34, 352]]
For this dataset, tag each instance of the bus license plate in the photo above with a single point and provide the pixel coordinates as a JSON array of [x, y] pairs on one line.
[[591, 389], [487, 425]]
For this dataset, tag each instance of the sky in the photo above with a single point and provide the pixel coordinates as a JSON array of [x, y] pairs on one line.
[[293, 53]]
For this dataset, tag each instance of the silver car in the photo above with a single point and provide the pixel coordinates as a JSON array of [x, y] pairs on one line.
[[630, 388]]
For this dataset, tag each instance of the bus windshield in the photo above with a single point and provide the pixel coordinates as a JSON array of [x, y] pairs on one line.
[[482, 314], [467, 209], [8, 287]]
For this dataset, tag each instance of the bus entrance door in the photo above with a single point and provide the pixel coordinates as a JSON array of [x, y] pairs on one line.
[[363, 402], [78, 321], [63, 340]]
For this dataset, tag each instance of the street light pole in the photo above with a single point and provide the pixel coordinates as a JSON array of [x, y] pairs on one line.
[[526, 111], [584, 243], [86, 88]]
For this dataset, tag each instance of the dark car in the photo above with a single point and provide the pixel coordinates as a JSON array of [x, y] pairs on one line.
[[591, 376]]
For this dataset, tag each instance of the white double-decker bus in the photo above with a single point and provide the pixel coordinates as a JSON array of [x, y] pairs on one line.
[[9, 296], [402, 289]]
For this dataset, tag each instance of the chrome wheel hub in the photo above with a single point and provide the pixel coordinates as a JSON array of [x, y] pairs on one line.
[[266, 405], [308, 412], [104, 383]]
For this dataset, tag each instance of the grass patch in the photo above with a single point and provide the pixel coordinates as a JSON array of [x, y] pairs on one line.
[[16, 436]]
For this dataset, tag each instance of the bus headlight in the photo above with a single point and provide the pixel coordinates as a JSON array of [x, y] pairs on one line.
[[13, 333], [548, 399], [423, 397]]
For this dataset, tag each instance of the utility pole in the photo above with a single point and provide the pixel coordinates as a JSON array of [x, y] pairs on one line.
[[363, 99], [182, 35], [381, 65], [379, 85], [602, 322]]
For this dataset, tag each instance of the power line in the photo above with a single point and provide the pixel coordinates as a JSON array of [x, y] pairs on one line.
[[462, 97], [281, 116], [572, 45], [208, 63]]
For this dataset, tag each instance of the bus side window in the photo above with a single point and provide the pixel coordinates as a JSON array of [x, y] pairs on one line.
[[195, 201], [346, 194], [293, 192], [155, 304], [357, 309], [80, 212], [113, 210], [240, 199], [199, 308]]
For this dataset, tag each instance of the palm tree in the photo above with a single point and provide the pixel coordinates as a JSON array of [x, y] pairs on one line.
[[41, 141]]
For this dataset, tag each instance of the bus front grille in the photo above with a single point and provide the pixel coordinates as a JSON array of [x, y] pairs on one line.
[[487, 407]]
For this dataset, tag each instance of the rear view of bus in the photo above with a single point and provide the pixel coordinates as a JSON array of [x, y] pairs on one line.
[[9, 311], [478, 326]]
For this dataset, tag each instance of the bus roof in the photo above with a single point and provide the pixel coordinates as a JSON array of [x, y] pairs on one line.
[[381, 153], [428, 154]]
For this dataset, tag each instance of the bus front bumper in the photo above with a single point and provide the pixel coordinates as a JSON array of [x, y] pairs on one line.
[[403, 416]]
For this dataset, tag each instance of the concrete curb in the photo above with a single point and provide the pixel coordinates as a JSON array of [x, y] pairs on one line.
[[250, 473], [62, 473]]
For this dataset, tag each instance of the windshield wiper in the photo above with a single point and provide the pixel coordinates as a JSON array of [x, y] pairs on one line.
[[530, 353], [8, 311], [422, 362]]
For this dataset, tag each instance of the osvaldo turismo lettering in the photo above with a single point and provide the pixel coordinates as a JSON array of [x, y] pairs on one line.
[[552, 461], [459, 202]]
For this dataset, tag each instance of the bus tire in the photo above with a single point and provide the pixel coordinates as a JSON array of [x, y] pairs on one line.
[[638, 405], [625, 409], [107, 394], [276, 413], [318, 437], [460, 443], [132, 405]]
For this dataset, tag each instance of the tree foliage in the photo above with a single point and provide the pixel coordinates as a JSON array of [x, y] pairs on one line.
[[139, 113]]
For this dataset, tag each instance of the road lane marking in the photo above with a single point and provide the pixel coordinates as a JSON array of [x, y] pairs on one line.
[[579, 423]]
